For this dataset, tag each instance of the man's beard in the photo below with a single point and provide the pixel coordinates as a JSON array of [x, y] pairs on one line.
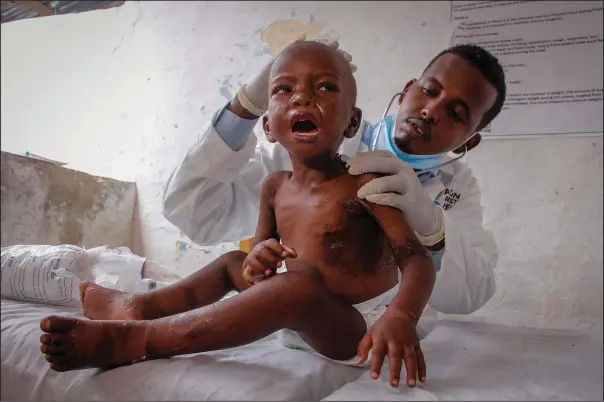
[[402, 143]]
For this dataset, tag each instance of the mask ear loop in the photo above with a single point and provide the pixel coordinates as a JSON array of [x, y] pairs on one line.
[[465, 151]]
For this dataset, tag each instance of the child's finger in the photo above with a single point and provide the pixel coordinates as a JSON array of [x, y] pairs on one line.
[[395, 361], [291, 253], [364, 348], [421, 363], [275, 247], [268, 257], [377, 358], [411, 365], [256, 266], [247, 276]]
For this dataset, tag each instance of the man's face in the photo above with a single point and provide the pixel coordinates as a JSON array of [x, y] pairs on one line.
[[311, 101], [444, 107]]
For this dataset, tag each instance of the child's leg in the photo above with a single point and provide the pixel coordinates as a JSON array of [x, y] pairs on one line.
[[199, 289], [297, 301]]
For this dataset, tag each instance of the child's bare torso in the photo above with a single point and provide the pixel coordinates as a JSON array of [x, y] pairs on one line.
[[334, 233]]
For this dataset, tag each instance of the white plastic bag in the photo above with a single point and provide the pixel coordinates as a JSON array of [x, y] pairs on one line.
[[43, 274], [115, 268], [52, 274]]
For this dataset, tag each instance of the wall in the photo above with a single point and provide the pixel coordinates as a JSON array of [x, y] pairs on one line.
[[43, 203], [124, 92]]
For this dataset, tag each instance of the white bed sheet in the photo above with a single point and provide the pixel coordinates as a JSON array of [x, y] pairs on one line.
[[466, 361], [476, 361], [260, 371]]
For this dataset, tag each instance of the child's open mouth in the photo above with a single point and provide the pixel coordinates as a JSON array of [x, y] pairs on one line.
[[304, 127]]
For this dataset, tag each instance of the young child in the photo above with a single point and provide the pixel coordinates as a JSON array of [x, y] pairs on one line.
[[340, 296]]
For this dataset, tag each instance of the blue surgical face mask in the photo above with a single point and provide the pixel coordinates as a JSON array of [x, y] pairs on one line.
[[386, 142]]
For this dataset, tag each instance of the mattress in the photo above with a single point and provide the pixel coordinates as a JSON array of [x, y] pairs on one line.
[[466, 361], [264, 370], [477, 361]]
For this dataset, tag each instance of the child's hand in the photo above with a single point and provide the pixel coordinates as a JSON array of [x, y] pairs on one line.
[[394, 335], [264, 259]]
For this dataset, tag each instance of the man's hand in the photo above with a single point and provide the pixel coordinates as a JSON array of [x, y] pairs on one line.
[[264, 259], [394, 335], [400, 188]]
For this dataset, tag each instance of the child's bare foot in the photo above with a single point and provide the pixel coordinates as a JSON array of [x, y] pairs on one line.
[[101, 303], [71, 343]]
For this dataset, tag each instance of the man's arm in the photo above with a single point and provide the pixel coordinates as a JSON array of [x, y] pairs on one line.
[[467, 255], [213, 195], [466, 279]]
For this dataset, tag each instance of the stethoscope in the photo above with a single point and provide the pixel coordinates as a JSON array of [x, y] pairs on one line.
[[377, 136]]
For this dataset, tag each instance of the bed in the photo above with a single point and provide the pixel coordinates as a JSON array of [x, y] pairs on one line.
[[466, 360]]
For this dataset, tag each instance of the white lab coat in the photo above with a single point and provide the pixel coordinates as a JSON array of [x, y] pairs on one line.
[[213, 196]]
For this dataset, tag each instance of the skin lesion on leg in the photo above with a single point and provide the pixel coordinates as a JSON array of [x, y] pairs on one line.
[[291, 300], [204, 287], [70, 343]]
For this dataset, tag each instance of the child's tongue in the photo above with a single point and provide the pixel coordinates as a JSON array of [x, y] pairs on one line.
[[304, 127]]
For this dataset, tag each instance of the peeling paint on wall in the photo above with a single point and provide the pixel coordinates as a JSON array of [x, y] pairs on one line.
[[281, 32], [181, 246], [226, 88]]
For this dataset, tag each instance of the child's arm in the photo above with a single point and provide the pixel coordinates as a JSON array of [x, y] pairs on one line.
[[267, 223], [414, 261], [267, 254], [394, 335]]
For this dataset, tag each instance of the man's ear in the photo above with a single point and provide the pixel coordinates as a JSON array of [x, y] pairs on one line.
[[267, 130], [407, 86], [470, 144], [354, 124]]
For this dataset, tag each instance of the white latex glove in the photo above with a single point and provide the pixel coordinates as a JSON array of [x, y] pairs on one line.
[[256, 91], [400, 189]]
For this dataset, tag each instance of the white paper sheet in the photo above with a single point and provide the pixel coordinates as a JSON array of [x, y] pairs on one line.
[[552, 54]]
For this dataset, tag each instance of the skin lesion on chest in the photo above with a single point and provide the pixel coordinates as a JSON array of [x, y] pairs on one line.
[[352, 241]]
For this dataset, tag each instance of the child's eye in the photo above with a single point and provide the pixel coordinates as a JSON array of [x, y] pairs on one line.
[[281, 90], [329, 87]]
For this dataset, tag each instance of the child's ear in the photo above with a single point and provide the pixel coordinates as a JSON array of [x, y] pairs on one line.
[[267, 130], [354, 124]]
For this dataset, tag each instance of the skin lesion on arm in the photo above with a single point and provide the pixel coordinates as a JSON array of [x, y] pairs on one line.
[[411, 248], [400, 236], [413, 259]]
